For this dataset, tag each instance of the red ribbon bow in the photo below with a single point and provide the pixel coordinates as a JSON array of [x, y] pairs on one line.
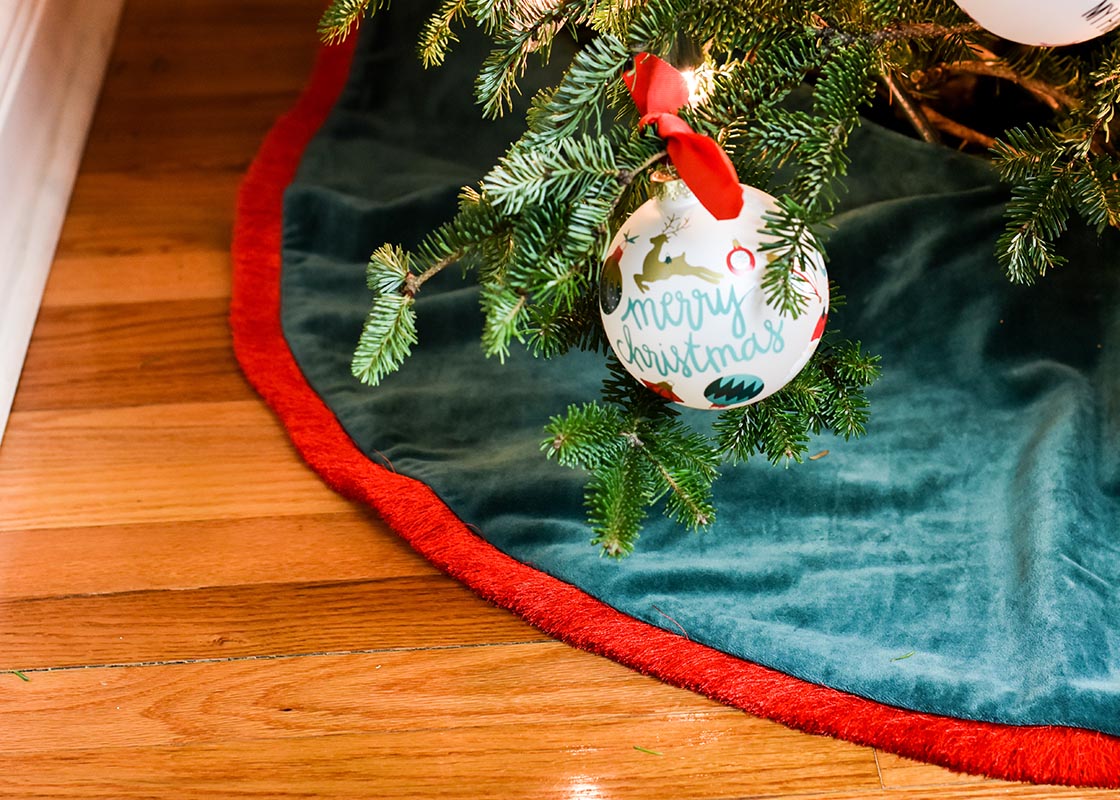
[[659, 90]]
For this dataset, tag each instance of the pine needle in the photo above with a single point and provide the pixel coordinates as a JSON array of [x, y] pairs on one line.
[[343, 16]]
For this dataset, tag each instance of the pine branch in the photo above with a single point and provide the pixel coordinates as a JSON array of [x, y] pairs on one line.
[[635, 443], [686, 467], [477, 228], [1100, 109], [633, 466], [492, 15], [526, 29], [561, 198], [1096, 192], [846, 365], [1105, 83], [784, 438], [617, 496], [882, 12], [343, 16], [389, 331], [504, 309], [585, 436], [563, 168], [1036, 216], [905, 31], [577, 102], [741, 89], [1026, 153], [553, 331], [845, 84], [765, 427], [688, 497], [654, 26], [737, 434], [1055, 66], [437, 37], [849, 371], [1042, 168], [793, 249], [848, 412], [778, 132], [620, 388], [829, 394]]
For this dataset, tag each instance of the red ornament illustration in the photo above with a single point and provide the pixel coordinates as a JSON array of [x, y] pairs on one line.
[[739, 259]]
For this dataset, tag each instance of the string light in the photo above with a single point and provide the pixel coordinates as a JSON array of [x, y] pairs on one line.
[[697, 79]]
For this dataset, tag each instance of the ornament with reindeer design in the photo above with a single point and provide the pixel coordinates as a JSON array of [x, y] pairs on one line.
[[659, 267], [683, 306]]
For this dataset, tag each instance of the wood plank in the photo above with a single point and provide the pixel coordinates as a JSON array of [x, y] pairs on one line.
[[168, 463], [385, 692], [143, 278], [177, 351], [117, 213], [256, 620], [903, 773], [307, 548], [158, 134], [229, 61], [214, 48], [267, 18], [540, 758], [916, 779]]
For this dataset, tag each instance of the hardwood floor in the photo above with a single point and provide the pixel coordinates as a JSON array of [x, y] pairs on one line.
[[193, 614]]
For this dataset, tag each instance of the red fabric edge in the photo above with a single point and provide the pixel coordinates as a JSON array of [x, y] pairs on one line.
[[1040, 754]]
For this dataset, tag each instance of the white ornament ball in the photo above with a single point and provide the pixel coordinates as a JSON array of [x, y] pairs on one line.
[[684, 310], [1049, 23]]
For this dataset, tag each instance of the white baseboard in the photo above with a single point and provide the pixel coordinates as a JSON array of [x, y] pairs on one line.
[[53, 55]]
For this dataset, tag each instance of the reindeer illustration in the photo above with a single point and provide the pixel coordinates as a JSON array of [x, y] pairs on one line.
[[656, 268]]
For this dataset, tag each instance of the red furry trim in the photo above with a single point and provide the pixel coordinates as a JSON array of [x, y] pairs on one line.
[[1042, 754]]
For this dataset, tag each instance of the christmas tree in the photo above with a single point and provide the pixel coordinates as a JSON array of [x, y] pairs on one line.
[[780, 88]]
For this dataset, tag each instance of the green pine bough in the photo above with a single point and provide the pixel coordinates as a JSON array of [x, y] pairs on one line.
[[535, 229]]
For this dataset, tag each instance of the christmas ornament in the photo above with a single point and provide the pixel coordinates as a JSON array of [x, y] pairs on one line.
[[683, 306], [1048, 23]]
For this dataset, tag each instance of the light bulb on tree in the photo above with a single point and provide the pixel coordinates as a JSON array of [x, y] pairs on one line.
[[694, 79], [1045, 23]]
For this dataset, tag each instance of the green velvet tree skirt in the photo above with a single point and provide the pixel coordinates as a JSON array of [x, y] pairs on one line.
[[947, 587]]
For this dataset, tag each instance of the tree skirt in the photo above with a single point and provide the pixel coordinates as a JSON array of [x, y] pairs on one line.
[[945, 588]]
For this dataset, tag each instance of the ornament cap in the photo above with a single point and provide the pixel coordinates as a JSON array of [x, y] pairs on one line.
[[672, 192]]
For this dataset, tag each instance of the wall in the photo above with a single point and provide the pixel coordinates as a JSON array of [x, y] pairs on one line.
[[52, 60]]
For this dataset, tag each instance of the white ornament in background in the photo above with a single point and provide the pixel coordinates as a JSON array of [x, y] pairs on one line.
[[684, 310], [1049, 23]]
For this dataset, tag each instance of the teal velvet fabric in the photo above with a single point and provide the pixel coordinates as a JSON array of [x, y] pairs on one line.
[[976, 525]]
